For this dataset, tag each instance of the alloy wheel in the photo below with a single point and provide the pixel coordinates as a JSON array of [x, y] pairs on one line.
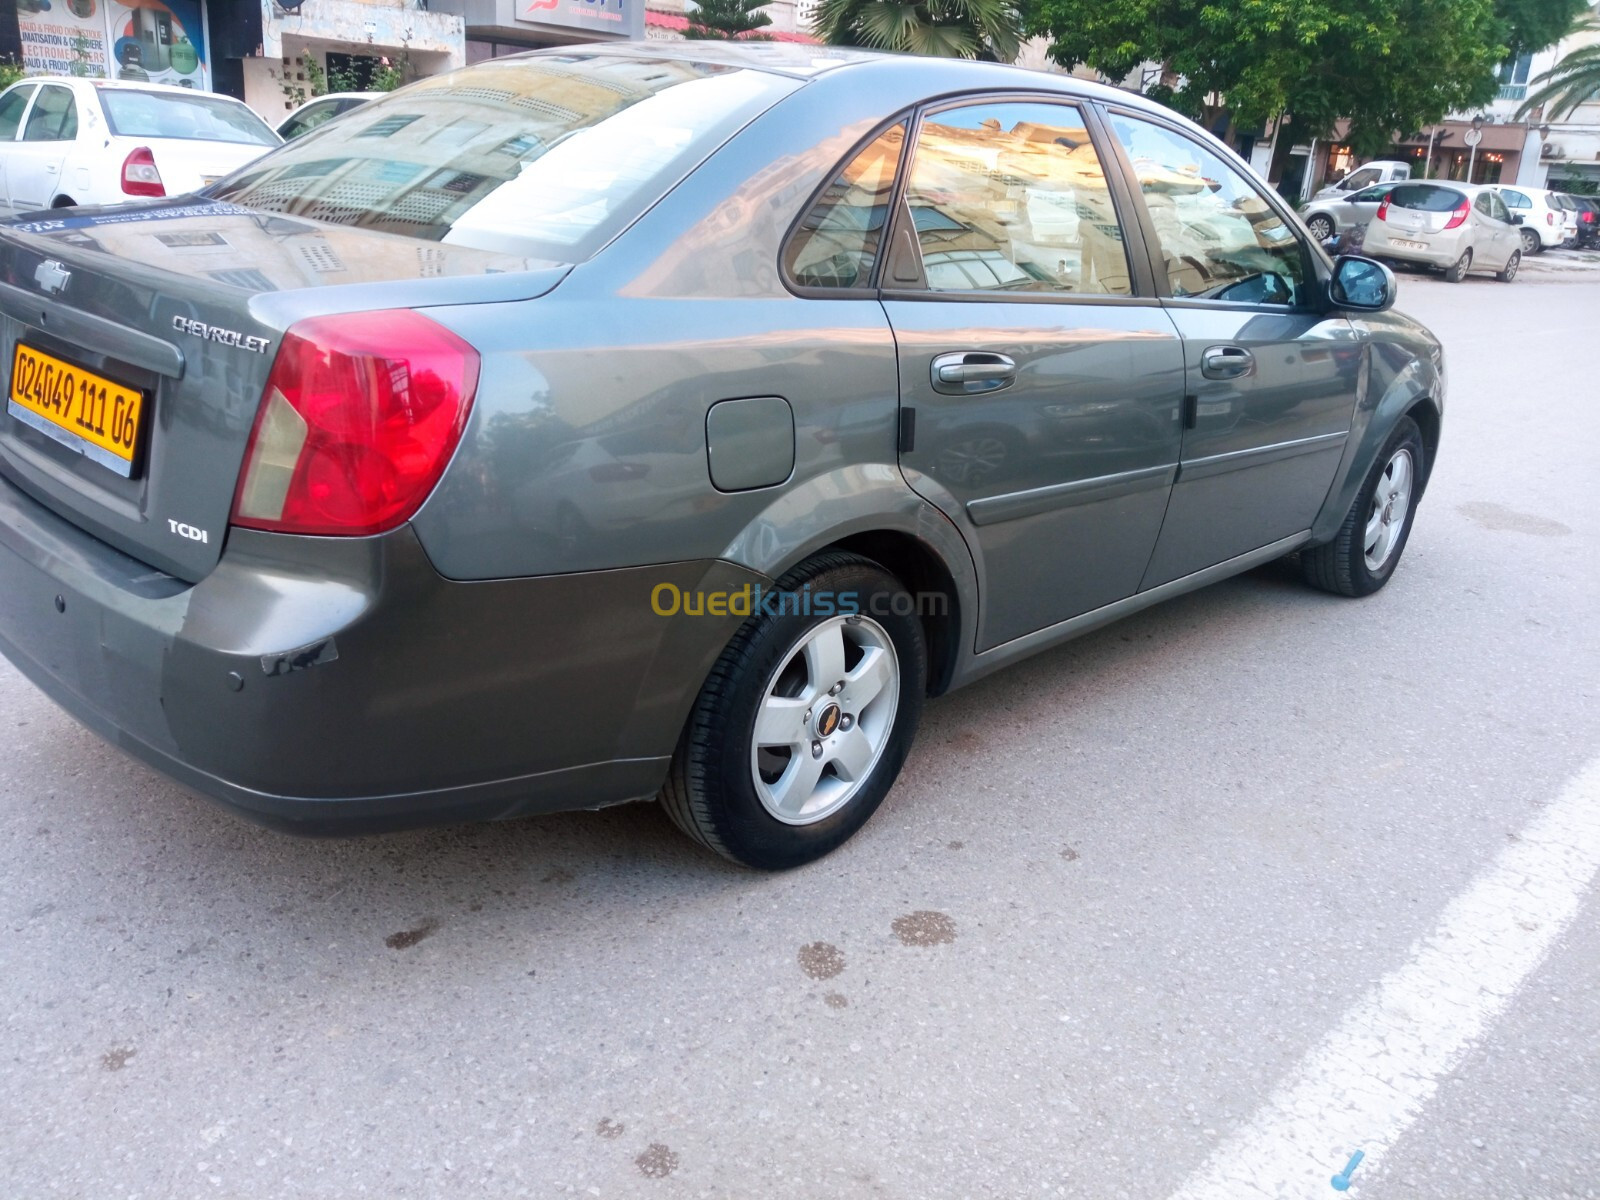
[[826, 715], [1391, 500]]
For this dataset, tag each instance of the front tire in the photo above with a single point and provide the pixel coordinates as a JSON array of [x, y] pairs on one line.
[[1321, 227], [1509, 272], [804, 722], [1457, 271], [1367, 548]]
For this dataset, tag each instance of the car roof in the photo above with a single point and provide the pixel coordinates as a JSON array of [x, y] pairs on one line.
[[125, 85], [802, 61]]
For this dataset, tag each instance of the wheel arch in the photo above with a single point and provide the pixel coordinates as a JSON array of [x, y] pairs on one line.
[[63, 201], [869, 509], [925, 575], [1413, 390]]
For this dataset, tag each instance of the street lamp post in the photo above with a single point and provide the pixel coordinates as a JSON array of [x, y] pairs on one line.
[[1472, 139]]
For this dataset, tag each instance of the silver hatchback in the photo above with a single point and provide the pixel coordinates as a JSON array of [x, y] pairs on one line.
[[1456, 227]]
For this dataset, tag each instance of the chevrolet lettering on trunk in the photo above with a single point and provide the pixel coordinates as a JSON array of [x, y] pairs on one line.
[[216, 333]]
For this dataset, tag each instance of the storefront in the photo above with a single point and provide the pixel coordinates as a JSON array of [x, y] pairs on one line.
[[1441, 152], [496, 27], [150, 41]]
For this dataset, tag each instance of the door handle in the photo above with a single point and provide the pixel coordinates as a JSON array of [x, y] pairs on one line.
[[972, 372], [1226, 362]]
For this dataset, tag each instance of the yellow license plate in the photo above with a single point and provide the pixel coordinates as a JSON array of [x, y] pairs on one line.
[[88, 412]]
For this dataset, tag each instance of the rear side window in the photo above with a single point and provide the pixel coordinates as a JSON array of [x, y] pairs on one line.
[[309, 118], [12, 106], [199, 118], [836, 245], [546, 156], [1422, 197], [1011, 197]]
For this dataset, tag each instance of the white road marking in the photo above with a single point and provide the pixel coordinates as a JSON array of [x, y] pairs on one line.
[[1368, 1080]]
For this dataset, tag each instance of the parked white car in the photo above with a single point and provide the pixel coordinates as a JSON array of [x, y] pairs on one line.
[[1456, 227], [67, 141], [1344, 211], [1545, 222], [321, 110]]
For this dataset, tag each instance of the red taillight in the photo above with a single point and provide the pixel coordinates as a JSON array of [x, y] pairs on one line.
[[139, 174], [1459, 215], [1383, 209], [1549, 218], [360, 415]]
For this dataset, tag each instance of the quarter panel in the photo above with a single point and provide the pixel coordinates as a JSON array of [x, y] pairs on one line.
[[586, 448]]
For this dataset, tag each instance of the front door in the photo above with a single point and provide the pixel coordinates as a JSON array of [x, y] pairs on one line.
[[1271, 378], [1040, 397]]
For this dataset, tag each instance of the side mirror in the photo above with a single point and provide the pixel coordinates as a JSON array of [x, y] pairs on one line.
[[1516, 218], [1361, 283]]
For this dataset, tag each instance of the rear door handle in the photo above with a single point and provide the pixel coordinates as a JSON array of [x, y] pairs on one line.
[[1226, 362], [972, 372]]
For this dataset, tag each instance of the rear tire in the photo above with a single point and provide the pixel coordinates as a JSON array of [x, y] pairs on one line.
[[778, 764], [1367, 548], [1509, 272], [1458, 270]]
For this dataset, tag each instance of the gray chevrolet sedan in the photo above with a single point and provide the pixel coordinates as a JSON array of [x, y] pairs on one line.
[[668, 421]]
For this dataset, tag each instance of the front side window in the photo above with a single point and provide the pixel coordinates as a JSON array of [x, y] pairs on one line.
[[1218, 236], [836, 245], [1516, 199], [1371, 196], [54, 117], [12, 105], [1011, 197], [1362, 178], [546, 156]]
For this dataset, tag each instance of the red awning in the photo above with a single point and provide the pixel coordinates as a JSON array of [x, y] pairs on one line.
[[673, 21]]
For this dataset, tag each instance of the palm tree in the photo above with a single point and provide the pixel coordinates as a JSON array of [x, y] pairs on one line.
[[727, 20], [1571, 82], [989, 29]]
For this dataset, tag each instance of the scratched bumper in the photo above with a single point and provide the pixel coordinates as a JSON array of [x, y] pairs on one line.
[[332, 685]]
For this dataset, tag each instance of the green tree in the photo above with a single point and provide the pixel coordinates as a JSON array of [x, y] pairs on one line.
[[1388, 65], [1530, 25], [726, 20], [988, 29], [10, 71], [1571, 82]]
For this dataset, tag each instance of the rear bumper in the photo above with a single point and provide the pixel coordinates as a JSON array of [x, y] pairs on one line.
[[1434, 256], [326, 685]]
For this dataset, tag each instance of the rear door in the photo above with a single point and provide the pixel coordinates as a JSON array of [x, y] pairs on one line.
[[1039, 379], [33, 177], [1271, 377]]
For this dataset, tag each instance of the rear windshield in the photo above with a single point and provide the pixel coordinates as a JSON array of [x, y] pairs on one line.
[[546, 155], [192, 118], [1426, 198]]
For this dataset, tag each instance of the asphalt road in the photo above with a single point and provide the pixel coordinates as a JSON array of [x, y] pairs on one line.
[[1121, 894]]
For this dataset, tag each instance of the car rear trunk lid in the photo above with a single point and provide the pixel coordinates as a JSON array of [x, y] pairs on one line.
[[184, 305]]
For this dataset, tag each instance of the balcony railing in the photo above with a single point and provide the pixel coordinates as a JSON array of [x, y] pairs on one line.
[[1512, 91]]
